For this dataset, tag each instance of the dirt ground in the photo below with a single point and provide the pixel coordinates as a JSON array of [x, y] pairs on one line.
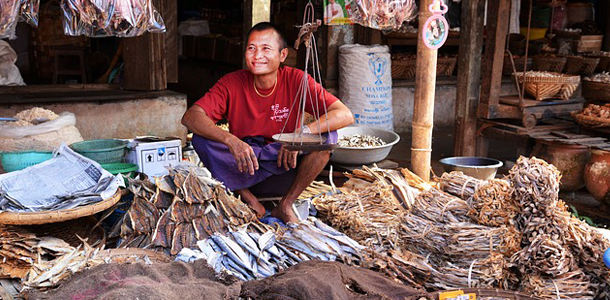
[[177, 280]]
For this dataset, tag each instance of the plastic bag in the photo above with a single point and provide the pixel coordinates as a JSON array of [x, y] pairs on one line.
[[9, 73], [29, 12], [101, 18], [9, 16], [381, 14], [65, 119]]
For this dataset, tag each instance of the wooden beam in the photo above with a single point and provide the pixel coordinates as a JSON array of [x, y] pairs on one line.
[[169, 12], [468, 79], [423, 107], [498, 12], [255, 11], [144, 61]]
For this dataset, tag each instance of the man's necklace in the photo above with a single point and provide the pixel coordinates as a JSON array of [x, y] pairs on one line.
[[264, 96]]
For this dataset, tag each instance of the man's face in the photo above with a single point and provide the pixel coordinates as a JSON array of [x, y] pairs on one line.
[[263, 55]]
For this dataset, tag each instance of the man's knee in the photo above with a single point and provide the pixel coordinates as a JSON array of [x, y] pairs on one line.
[[320, 155]]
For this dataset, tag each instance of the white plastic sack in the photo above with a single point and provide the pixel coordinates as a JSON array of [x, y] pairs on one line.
[[65, 119], [9, 73], [365, 84]]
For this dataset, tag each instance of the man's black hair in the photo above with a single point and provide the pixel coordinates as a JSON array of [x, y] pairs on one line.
[[262, 26]]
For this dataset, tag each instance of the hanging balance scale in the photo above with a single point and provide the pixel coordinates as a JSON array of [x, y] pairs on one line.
[[299, 141]]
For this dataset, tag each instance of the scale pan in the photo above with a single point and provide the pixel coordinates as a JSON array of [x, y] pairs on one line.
[[297, 139]]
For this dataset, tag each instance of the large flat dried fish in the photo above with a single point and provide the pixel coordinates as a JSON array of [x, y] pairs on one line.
[[159, 237]]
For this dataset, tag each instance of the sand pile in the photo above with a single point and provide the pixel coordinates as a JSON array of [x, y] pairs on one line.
[[177, 280]]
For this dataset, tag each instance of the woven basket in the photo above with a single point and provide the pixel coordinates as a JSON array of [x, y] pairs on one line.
[[36, 218], [592, 90], [551, 64], [445, 66], [581, 65], [403, 69], [589, 121], [70, 231], [507, 68], [130, 255], [542, 88], [492, 293]]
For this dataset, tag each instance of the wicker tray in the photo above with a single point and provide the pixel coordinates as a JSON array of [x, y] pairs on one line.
[[493, 293], [581, 65], [507, 68], [405, 68], [445, 66], [589, 121], [592, 90], [36, 218], [129, 255], [70, 231], [551, 64], [542, 88]]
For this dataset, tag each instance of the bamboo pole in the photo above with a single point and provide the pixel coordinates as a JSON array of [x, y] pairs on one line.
[[423, 108]]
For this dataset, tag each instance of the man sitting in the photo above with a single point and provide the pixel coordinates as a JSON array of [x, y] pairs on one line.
[[257, 103]]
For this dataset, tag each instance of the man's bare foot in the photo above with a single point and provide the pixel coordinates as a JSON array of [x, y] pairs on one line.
[[253, 203], [285, 213]]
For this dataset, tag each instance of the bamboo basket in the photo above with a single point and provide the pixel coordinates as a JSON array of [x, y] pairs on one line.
[[492, 293], [70, 231], [592, 90], [37, 218], [445, 66], [542, 88], [550, 64], [403, 69], [581, 65], [129, 255], [507, 68], [589, 121]]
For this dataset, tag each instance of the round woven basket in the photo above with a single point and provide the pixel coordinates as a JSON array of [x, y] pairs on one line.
[[589, 121], [592, 90], [581, 65], [551, 64], [36, 218], [130, 255], [541, 88], [493, 293], [70, 231]]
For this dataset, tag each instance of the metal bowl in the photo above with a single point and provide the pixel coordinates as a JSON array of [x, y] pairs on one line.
[[365, 155], [483, 168]]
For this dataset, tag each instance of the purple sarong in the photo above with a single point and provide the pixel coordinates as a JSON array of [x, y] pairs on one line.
[[218, 159]]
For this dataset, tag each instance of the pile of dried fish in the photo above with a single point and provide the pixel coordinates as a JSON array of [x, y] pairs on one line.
[[360, 141], [555, 243], [183, 207], [370, 216], [398, 180], [572, 285], [490, 202], [18, 251], [247, 254]]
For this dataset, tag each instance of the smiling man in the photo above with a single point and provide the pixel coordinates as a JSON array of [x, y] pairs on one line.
[[257, 102]]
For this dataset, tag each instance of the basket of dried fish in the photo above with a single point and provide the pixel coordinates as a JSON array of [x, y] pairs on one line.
[[44, 217], [547, 85], [360, 145]]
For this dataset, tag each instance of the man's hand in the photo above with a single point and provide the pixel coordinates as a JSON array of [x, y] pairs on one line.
[[287, 158], [244, 155]]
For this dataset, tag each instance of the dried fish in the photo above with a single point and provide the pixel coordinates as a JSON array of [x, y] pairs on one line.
[[360, 141]]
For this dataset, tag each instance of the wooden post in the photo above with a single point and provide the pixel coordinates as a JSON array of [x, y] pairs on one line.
[[144, 62], [469, 77], [423, 108], [169, 12], [497, 26]]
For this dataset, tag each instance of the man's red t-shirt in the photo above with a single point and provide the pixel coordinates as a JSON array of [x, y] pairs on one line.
[[233, 97]]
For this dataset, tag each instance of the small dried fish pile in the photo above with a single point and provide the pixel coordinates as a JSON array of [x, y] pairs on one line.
[[247, 254], [47, 274], [555, 243], [182, 208], [18, 251], [488, 272], [371, 216], [360, 141], [440, 207], [467, 240], [490, 202]]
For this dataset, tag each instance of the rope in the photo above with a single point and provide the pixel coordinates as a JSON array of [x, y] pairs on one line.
[[470, 273], [556, 289], [421, 150]]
